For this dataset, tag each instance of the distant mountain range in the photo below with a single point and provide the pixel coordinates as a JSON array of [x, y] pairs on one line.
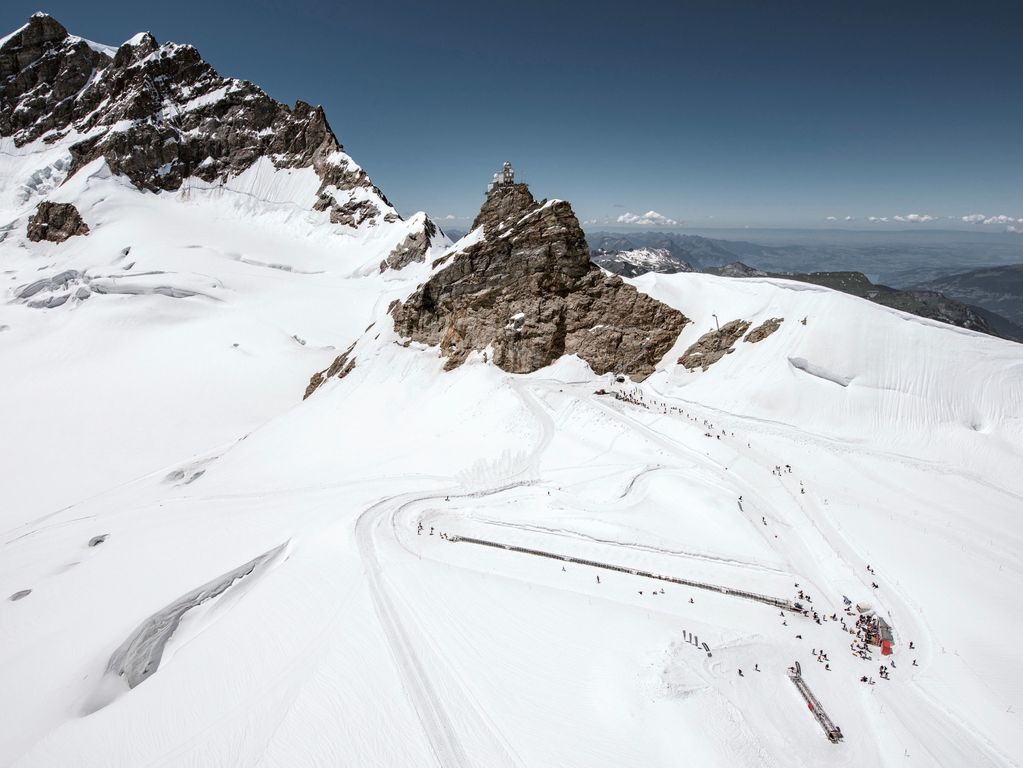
[[998, 289], [897, 260], [637, 261], [969, 300], [923, 303]]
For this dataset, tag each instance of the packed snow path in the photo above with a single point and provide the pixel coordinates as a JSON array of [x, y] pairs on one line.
[[430, 706], [447, 748]]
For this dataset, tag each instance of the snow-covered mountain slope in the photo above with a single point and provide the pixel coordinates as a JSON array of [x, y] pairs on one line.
[[199, 567], [173, 289], [214, 304], [376, 641]]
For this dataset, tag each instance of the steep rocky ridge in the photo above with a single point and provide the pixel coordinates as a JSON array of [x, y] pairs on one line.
[[159, 114], [343, 365], [414, 247], [528, 292]]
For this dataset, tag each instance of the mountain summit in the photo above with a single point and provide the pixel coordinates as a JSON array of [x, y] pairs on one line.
[[160, 114], [524, 288]]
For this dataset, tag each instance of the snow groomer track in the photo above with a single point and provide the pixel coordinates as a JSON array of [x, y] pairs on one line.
[[777, 602]]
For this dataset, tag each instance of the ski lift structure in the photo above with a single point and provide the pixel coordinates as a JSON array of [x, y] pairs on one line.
[[831, 731]]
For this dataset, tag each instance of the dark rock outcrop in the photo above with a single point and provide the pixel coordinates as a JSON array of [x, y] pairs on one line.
[[159, 114], [529, 291], [55, 222], [764, 330], [412, 248], [343, 365], [714, 345]]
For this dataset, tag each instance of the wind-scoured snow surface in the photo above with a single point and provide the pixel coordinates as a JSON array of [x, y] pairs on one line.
[[157, 453]]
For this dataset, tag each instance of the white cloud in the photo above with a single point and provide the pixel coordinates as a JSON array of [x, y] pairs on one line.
[[905, 218], [831, 218], [650, 218], [450, 217], [982, 218], [850, 218], [1014, 230]]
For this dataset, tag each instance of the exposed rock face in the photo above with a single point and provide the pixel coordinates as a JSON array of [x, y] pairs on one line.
[[343, 365], [412, 248], [529, 291], [55, 222], [159, 114], [712, 346], [764, 330]]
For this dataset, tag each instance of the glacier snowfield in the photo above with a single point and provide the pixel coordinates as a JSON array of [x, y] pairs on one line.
[[287, 582]]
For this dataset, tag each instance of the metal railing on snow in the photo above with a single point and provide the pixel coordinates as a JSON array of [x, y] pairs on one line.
[[777, 602]]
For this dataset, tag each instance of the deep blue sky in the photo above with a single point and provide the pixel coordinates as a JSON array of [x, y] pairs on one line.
[[712, 113]]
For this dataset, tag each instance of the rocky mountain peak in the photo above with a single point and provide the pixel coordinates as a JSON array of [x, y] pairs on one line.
[[528, 292], [134, 50], [42, 28], [504, 204], [158, 114]]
